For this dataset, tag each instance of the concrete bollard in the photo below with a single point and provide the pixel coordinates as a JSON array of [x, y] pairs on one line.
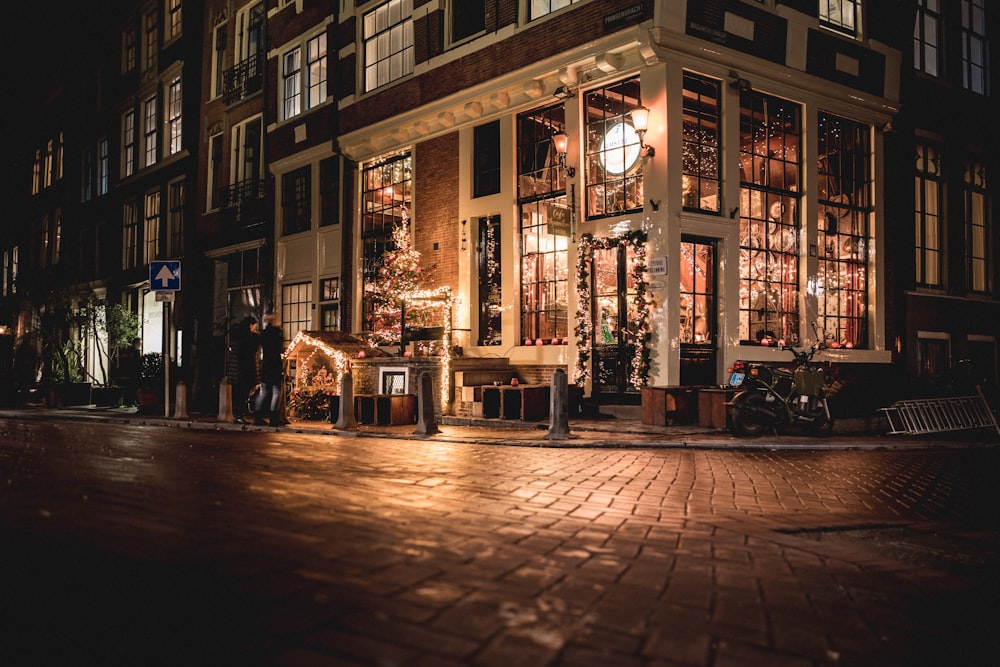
[[426, 424], [225, 402], [345, 415], [180, 401], [559, 406]]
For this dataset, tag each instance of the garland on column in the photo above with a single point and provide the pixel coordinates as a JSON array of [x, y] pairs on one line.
[[584, 329]]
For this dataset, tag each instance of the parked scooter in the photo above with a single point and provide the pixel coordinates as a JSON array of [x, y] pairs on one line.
[[772, 398]]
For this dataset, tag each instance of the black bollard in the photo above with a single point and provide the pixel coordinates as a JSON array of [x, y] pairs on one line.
[[345, 414], [559, 406], [426, 424]]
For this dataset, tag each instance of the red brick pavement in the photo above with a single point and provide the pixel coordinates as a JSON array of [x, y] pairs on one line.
[[137, 544]]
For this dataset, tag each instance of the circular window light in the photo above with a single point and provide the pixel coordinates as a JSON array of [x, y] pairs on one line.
[[619, 150]]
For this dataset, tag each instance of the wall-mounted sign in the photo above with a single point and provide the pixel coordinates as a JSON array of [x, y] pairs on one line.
[[623, 17], [657, 266], [558, 220], [619, 149]]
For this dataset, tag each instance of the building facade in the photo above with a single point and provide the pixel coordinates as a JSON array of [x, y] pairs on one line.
[[638, 192]]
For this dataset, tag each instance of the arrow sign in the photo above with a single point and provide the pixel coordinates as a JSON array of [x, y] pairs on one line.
[[165, 276]]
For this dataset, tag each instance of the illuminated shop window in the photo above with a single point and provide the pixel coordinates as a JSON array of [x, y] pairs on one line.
[[544, 226], [844, 238], [386, 191], [977, 234], [614, 151], [929, 224], [770, 141], [701, 155]]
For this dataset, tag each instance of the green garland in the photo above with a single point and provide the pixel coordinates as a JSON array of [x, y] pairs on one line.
[[584, 329]]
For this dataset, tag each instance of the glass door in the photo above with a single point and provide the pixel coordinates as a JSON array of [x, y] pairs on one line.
[[698, 312], [614, 314]]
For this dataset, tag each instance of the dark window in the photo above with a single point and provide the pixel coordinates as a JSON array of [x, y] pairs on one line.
[[329, 191], [487, 160], [295, 201], [467, 19], [490, 281]]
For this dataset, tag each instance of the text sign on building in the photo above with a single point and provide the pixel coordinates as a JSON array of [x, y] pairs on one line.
[[165, 276], [657, 266], [558, 220], [623, 17]]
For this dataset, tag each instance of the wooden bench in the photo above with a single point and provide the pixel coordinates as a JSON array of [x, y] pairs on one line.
[[385, 409], [527, 402]]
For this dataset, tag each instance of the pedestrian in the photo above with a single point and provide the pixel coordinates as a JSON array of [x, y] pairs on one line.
[[271, 373], [244, 358]]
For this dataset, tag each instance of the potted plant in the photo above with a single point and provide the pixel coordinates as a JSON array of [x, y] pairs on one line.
[[150, 393]]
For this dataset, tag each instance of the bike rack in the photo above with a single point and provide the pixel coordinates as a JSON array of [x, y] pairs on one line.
[[938, 415]]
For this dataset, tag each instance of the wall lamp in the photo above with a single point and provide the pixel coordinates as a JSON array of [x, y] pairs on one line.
[[739, 83], [561, 142], [465, 239], [640, 121]]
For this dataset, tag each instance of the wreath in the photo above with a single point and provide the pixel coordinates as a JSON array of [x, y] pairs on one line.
[[584, 330]]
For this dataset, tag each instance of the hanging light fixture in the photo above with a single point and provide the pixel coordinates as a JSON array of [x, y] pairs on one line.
[[560, 140], [640, 121]]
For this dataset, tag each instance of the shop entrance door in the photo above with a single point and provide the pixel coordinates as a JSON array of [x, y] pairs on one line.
[[613, 311], [698, 311]]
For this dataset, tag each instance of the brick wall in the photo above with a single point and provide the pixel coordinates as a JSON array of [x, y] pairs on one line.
[[435, 212]]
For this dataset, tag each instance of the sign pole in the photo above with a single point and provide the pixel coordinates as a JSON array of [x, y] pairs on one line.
[[166, 359]]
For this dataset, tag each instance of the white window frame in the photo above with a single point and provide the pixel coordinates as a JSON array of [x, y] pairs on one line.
[[130, 234], [150, 131], [176, 203], [383, 61], [238, 171], [151, 226], [841, 16], [173, 23], [130, 144], [103, 166], [538, 8], [173, 96], [304, 75]]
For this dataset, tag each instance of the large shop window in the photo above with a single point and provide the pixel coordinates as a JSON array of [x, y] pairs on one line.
[[977, 236], [296, 309], [544, 224], [770, 140], [388, 43], [614, 152], [929, 225], [701, 155], [386, 190], [844, 236]]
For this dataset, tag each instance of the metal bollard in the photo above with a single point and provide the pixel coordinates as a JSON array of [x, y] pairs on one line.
[[225, 402], [559, 406], [426, 424], [345, 415], [180, 401]]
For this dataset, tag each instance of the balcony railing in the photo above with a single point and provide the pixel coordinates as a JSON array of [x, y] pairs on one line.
[[243, 80], [244, 203]]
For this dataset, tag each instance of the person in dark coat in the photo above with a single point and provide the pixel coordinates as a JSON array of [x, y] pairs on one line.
[[272, 344], [244, 355]]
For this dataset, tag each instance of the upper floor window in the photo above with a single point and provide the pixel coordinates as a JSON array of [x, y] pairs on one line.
[[927, 37], [128, 143], [128, 49], [220, 41], [149, 131], [975, 194], [151, 31], [840, 15], [151, 228], [174, 115], [388, 43], [130, 234], [249, 31], [172, 28], [304, 87], [974, 46], [103, 167], [614, 154], [700, 148], [247, 145], [87, 174], [540, 8], [467, 19]]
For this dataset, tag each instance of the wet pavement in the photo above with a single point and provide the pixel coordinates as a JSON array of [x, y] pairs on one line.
[[135, 540]]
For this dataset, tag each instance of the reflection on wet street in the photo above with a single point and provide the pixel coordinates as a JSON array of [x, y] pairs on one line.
[[145, 545]]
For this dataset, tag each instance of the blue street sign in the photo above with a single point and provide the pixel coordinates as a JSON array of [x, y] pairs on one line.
[[165, 276]]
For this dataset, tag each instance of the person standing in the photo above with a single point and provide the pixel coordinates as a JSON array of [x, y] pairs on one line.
[[272, 344], [244, 356]]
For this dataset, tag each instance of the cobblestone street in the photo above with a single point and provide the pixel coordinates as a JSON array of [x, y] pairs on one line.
[[130, 544]]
